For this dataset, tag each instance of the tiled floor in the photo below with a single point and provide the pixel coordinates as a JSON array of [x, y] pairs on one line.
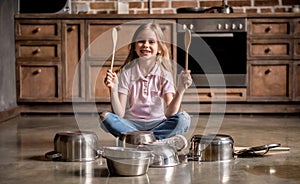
[[24, 141]]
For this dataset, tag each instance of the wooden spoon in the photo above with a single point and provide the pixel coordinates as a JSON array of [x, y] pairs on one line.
[[187, 43], [114, 39]]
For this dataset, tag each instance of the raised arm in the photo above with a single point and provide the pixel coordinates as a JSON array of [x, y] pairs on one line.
[[173, 102]]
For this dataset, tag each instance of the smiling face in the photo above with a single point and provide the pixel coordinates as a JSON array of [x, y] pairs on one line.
[[146, 45]]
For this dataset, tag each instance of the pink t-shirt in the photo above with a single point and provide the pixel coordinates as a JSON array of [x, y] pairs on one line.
[[145, 94]]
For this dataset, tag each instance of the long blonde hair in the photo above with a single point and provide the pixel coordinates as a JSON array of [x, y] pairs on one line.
[[163, 57]]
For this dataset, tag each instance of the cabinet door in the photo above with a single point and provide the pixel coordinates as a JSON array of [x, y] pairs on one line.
[[38, 82], [97, 90], [99, 50], [73, 64], [99, 42], [270, 81], [296, 81]]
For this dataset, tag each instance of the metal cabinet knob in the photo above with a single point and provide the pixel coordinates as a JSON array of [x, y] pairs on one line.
[[36, 30], [72, 28], [268, 29], [268, 71], [36, 51], [267, 50]]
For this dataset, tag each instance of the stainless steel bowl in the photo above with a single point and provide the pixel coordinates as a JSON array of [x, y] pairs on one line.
[[164, 155], [132, 139], [211, 147], [75, 146], [128, 167], [127, 161]]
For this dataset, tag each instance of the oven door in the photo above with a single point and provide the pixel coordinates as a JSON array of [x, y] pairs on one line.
[[214, 57]]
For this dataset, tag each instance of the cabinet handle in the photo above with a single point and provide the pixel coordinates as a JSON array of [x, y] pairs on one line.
[[118, 28], [163, 28], [72, 28], [37, 71], [267, 50], [36, 51], [36, 30], [268, 71], [268, 29], [211, 94]]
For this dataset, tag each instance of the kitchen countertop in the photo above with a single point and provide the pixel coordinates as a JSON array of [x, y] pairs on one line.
[[159, 16]]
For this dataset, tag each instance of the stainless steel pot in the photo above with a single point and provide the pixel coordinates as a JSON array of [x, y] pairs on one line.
[[164, 155], [75, 146], [132, 139], [211, 147]]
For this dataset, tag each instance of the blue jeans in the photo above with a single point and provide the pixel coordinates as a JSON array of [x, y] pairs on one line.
[[174, 125]]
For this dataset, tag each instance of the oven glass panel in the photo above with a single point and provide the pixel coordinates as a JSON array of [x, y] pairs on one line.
[[216, 54]]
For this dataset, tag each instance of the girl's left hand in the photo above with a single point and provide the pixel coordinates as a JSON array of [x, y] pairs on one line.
[[184, 80]]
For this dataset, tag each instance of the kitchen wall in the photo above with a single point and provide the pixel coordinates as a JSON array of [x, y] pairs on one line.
[[170, 6], [7, 55]]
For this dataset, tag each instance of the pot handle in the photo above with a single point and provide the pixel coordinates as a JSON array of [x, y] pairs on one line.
[[252, 150], [53, 155]]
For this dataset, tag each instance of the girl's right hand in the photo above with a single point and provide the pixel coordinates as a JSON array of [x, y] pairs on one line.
[[111, 80]]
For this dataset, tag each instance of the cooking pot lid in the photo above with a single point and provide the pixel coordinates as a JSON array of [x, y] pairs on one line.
[[212, 138]]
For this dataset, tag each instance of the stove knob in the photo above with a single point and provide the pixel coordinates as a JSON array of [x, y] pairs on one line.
[[191, 26], [233, 26], [226, 26], [219, 26], [241, 26]]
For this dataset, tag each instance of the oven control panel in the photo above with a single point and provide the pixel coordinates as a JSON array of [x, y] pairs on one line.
[[213, 25]]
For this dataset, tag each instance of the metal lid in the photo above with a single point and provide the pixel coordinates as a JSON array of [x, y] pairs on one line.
[[212, 138]]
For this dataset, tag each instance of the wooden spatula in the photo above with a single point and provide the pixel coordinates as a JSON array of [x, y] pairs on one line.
[[114, 39], [187, 43]]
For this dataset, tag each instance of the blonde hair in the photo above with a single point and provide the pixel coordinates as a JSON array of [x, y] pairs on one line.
[[163, 57]]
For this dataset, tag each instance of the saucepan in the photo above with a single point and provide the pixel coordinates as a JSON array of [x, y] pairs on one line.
[[74, 146], [220, 147], [211, 147]]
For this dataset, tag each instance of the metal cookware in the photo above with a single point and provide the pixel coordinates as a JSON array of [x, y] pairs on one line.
[[132, 139], [164, 155], [211, 147], [127, 161], [74, 146]]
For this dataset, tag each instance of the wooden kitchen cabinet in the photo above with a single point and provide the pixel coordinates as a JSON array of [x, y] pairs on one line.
[[296, 89], [270, 59], [73, 60], [270, 80], [99, 51], [38, 58], [39, 82]]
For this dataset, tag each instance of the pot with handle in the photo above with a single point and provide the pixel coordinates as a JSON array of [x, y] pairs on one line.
[[211, 147], [75, 146]]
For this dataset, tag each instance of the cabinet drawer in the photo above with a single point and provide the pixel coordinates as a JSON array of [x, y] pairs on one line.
[[270, 81], [38, 50], [45, 30], [214, 94], [269, 27], [38, 83], [263, 48]]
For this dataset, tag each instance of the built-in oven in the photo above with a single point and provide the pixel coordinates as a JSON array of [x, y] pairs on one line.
[[217, 51]]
